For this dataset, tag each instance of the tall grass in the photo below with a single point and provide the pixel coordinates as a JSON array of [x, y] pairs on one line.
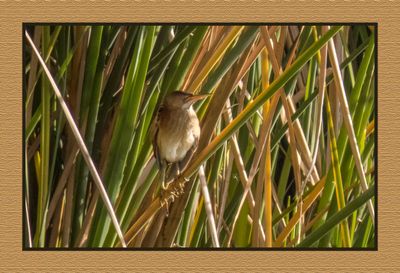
[[286, 156]]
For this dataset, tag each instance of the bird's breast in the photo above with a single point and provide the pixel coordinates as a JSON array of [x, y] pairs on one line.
[[177, 136]]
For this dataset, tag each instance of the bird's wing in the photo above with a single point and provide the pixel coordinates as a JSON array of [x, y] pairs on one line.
[[153, 135]]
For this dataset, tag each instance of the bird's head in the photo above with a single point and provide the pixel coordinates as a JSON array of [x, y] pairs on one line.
[[181, 100]]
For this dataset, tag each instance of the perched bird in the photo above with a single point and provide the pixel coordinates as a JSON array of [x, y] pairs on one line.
[[175, 130]]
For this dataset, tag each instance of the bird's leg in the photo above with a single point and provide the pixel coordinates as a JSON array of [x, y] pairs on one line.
[[163, 192], [181, 165], [182, 183], [163, 176]]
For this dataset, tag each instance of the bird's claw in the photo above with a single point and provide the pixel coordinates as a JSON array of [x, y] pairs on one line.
[[165, 185], [165, 200], [181, 187], [171, 191]]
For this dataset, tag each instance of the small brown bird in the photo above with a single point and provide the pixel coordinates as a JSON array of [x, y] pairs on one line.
[[175, 130]]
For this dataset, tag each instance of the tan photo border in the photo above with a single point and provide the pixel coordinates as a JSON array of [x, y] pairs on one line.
[[14, 12]]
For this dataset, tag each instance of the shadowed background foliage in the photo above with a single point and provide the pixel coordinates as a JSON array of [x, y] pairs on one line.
[[286, 156]]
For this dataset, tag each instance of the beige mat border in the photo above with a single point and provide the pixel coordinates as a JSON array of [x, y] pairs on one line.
[[13, 13]]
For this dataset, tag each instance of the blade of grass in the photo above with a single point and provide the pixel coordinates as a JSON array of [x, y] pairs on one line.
[[91, 91], [39, 239], [208, 207], [340, 199]]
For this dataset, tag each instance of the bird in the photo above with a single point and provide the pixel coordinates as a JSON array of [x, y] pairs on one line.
[[175, 131]]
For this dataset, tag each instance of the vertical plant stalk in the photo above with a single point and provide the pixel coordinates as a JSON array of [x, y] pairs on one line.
[[208, 207], [225, 188], [318, 113], [32, 76], [27, 223], [341, 93], [43, 186], [268, 193], [88, 115], [337, 176], [28, 116], [266, 129], [67, 215], [81, 144], [259, 156]]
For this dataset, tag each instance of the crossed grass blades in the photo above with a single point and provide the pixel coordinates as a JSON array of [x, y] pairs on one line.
[[286, 155]]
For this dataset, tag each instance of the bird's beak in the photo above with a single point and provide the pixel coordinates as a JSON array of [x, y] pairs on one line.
[[194, 98]]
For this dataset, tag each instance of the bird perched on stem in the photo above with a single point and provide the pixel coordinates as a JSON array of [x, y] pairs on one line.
[[175, 130]]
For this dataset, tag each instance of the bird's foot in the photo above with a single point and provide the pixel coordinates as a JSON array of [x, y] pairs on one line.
[[181, 187], [170, 191], [165, 200], [165, 186]]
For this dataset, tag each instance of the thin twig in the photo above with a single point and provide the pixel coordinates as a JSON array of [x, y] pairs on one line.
[[208, 207], [225, 187], [28, 224]]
